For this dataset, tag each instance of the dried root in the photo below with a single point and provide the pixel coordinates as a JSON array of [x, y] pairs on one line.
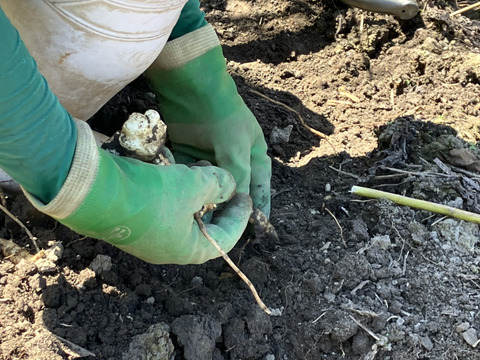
[[232, 264], [13, 252]]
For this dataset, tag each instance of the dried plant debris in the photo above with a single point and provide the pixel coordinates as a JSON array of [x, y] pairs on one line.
[[13, 252]]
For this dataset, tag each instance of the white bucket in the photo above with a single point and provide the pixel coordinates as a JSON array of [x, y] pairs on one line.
[[89, 50]]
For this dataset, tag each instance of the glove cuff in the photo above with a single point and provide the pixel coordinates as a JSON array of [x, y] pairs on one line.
[[182, 50], [80, 179]]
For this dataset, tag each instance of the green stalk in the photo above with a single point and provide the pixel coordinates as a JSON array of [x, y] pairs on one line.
[[417, 204]]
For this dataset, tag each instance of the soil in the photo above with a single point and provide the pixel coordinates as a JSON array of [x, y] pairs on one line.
[[349, 277]]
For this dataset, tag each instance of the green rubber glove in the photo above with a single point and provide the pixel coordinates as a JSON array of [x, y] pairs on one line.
[[206, 117], [147, 210]]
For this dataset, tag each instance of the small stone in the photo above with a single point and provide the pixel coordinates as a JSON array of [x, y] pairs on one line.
[[280, 136], [329, 297], [351, 270], [426, 342], [196, 281], [418, 232], [150, 300], [470, 336], [155, 344], [431, 45], [395, 307], [462, 327], [315, 284], [100, 264]]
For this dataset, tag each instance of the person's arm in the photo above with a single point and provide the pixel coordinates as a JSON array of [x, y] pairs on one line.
[[37, 135], [206, 117], [143, 209]]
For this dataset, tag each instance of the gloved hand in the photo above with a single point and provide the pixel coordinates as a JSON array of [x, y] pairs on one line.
[[144, 209], [206, 117]]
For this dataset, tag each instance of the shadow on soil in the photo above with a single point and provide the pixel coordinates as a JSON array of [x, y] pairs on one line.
[[210, 312]]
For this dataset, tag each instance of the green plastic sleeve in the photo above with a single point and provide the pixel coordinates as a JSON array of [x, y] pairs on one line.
[[191, 19], [38, 136]]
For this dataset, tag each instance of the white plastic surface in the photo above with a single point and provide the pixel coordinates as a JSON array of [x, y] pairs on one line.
[[89, 50]]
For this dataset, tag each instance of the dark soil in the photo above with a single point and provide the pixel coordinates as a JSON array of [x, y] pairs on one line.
[[349, 277]]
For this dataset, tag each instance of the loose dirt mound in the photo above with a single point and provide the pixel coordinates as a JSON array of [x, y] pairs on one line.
[[349, 278]]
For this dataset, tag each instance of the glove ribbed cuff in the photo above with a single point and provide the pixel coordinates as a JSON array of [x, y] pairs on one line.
[[80, 179], [179, 52]]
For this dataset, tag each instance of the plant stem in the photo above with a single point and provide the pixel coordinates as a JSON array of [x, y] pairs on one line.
[[418, 204]]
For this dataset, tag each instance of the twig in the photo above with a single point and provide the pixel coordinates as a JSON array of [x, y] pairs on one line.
[[386, 177], [467, 8], [471, 175], [366, 313], [438, 220], [284, 191], [404, 271], [311, 349], [416, 173], [348, 95], [417, 204], [344, 172], [77, 240], [74, 349], [370, 332], [312, 130], [242, 249], [372, 353], [14, 218], [392, 98], [359, 287], [318, 318], [338, 102], [231, 263], [396, 184], [339, 226]]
